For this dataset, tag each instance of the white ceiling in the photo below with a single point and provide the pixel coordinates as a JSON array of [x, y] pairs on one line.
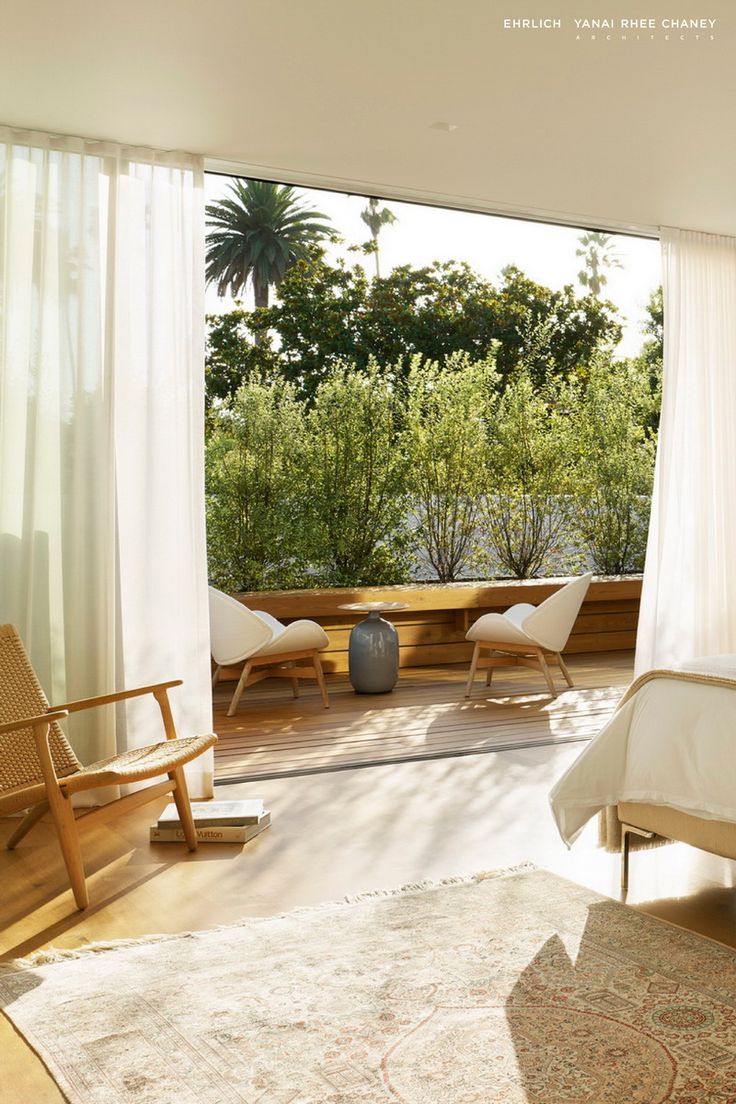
[[614, 133]]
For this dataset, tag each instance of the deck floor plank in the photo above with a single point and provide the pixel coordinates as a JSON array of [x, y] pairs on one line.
[[426, 716]]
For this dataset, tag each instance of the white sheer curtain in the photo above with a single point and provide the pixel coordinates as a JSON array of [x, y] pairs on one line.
[[102, 543], [689, 596]]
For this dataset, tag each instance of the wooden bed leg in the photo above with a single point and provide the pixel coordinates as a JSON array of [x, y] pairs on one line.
[[625, 846]]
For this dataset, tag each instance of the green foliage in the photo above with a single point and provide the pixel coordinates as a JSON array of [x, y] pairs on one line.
[[529, 479], [328, 314], [615, 467], [380, 469], [257, 233], [231, 357], [316, 321], [449, 406], [354, 479], [255, 488], [654, 326]]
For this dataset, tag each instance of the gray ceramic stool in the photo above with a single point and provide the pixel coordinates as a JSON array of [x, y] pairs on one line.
[[373, 651]]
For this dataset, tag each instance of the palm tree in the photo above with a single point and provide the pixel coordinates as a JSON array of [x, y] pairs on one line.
[[376, 218], [598, 253], [258, 232]]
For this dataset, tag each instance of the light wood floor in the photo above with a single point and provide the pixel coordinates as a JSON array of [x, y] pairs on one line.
[[332, 834], [426, 716]]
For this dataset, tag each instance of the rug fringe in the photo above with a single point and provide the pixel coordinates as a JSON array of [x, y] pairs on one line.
[[51, 956]]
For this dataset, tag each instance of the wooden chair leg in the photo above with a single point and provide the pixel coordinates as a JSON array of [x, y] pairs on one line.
[[216, 676], [66, 829], [489, 676], [317, 663], [183, 807], [240, 688], [473, 669], [295, 682], [32, 817], [563, 667], [546, 672]]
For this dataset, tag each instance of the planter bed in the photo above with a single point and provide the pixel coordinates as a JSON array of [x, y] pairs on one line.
[[432, 631]]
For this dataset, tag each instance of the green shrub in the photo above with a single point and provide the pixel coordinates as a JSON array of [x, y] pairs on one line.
[[354, 480], [615, 466], [255, 488], [448, 410], [528, 479]]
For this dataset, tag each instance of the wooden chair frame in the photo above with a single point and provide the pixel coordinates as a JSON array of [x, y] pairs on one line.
[[283, 665], [56, 792], [515, 655]]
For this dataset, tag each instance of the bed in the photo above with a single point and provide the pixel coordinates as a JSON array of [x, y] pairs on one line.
[[663, 768]]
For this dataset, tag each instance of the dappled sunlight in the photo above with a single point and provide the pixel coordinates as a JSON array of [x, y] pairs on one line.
[[426, 717]]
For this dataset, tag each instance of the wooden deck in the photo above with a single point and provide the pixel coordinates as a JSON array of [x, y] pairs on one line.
[[426, 717]]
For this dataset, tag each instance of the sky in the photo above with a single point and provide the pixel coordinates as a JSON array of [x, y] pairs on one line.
[[488, 243]]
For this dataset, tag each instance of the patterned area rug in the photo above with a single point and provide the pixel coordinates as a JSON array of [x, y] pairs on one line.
[[501, 989]]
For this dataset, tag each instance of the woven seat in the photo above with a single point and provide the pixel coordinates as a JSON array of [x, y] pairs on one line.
[[138, 764], [39, 770]]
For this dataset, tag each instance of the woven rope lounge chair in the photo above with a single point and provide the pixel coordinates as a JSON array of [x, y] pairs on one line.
[[39, 770]]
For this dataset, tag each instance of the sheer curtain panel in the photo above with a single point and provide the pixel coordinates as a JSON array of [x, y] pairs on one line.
[[688, 603], [102, 541]]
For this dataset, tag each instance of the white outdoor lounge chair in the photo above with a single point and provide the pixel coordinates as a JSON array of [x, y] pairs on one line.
[[528, 636], [265, 647]]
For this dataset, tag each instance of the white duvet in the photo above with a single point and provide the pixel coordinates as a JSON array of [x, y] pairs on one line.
[[672, 743]]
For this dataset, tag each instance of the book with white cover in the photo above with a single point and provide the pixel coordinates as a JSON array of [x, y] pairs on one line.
[[227, 833], [215, 814]]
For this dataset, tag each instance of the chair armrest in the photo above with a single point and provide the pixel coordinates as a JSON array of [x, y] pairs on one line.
[[120, 695], [34, 722]]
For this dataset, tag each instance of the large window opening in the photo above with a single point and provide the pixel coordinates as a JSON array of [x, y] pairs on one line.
[[401, 393]]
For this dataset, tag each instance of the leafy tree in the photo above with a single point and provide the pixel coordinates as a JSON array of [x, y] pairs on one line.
[[327, 314], [257, 233], [653, 351], [615, 466], [316, 321], [648, 364], [551, 334], [354, 479], [449, 408], [598, 253], [527, 508], [655, 324], [231, 357], [376, 218], [254, 483]]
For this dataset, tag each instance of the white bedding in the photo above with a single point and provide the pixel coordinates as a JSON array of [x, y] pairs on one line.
[[672, 743]]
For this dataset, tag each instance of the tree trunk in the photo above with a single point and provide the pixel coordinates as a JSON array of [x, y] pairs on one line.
[[260, 293], [378, 269]]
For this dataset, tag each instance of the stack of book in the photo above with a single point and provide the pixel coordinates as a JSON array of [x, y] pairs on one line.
[[215, 821]]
